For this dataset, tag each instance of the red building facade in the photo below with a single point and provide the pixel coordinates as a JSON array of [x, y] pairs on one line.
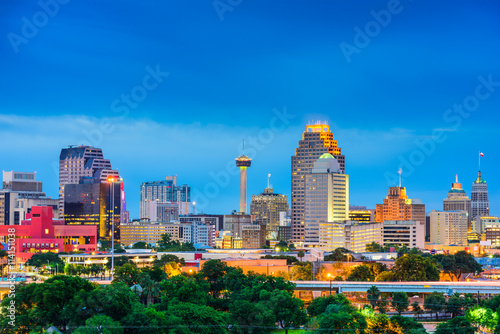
[[40, 233]]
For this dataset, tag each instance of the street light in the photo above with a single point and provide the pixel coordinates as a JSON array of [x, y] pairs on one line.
[[330, 278]]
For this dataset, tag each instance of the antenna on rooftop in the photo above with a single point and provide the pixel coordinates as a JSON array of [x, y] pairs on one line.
[[400, 171], [268, 176]]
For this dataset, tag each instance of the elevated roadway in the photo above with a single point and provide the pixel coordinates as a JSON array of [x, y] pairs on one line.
[[482, 287]]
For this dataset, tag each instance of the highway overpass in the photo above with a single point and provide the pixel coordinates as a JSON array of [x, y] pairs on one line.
[[483, 287]]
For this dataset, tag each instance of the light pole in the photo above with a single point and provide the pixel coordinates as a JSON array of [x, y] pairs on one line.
[[330, 278], [48, 266]]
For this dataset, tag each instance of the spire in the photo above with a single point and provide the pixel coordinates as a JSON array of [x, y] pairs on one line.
[[456, 178], [243, 146]]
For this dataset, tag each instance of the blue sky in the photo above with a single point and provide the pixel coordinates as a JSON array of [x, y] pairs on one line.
[[230, 71]]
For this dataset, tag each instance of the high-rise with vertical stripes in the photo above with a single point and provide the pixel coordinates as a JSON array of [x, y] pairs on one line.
[[77, 162], [316, 140]]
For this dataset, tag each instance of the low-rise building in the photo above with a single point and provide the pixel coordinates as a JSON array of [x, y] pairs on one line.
[[404, 232], [40, 233]]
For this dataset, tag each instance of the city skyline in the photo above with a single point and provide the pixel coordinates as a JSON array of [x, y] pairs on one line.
[[207, 86]]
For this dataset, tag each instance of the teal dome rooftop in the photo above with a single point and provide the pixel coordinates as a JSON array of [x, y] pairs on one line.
[[326, 156]]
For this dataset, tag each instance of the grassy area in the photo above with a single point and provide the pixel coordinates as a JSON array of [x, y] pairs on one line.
[[290, 331]]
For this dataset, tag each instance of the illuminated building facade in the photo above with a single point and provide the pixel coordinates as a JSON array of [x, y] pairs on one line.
[[253, 236], [207, 219], [316, 140], [404, 232], [449, 227], [326, 201], [90, 202], [40, 233], [351, 235], [234, 223], [457, 199], [361, 214], [20, 192], [397, 206], [165, 191], [266, 208], [76, 162], [480, 204]]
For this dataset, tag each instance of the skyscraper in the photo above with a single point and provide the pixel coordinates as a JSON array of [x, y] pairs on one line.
[[90, 202], [165, 191], [316, 140], [76, 162], [457, 199], [326, 201], [266, 208], [243, 162], [480, 204], [398, 207]]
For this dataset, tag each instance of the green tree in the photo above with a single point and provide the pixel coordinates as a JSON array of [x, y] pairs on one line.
[[482, 317], [385, 276], [341, 322], [214, 271], [40, 259], [374, 247], [339, 254], [150, 288], [457, 325], [140, 245], [181, 289], [301, 254], [415, 268], [142, 320], [200, 318], [381, 323], [416, 309], [128, 274], [70, 269], [288, 310], [51, 300], [115, 301], [319, 305], [454, 305], [361, 273], [435, 303], [383, 305], [302, 271], [168, 258], [166, 244], [100, 324], [408, 325], [400, 302], [119, 261], [373, 295]]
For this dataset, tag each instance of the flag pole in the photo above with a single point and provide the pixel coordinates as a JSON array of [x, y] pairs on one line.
[[479, 160]]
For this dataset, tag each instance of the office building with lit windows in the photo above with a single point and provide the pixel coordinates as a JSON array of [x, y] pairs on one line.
[[90, 202], [165, 191], [480, 204], [361, 214], [449, 227], [266, 208], [326, 201], [397, 206], [20, 192], [352, 235], [77, 162], [410, 233], [316, 140], [457, 199]]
